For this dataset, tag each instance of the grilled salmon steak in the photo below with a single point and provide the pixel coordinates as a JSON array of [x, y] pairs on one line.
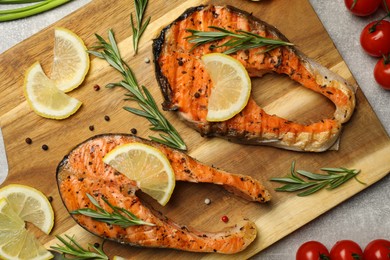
[[83, 172], [186, 85]]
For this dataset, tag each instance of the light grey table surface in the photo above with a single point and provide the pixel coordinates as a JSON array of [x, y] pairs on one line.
[[362, 218]]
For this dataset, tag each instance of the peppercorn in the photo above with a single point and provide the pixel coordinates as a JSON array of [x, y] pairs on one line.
[[91, 127], [45, 147], [96, 87], [28, 140], [133, 131], [50, 198], [107, 118], [225, 219]]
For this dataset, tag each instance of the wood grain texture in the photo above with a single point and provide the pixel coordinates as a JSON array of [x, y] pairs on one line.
[[364, 144]]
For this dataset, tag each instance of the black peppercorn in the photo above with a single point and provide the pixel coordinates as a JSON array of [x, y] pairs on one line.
[[133, 131], [28, 140], [107, 118], [45, 147]]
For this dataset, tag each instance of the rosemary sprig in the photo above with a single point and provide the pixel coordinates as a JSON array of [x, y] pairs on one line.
[[119, 216], [72, 248], [140, 6], [33, 9], [140, 94], [333, 179], [239, 40]]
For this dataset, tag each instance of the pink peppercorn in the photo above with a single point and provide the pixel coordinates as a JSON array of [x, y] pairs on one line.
[[225, 219]]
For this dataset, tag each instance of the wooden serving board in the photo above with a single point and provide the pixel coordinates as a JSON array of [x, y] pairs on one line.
[[364, 143]]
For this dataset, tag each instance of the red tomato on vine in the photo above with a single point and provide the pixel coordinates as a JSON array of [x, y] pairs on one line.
[[382, 74], [378, 249], [362, 7], [387, 3], [312, 250], [346, 250], [375, 38]]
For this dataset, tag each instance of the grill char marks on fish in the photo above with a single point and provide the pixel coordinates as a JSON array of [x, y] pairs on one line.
[[83, 172], [186, 85]]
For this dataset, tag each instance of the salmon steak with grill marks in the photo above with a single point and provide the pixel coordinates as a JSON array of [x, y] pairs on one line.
[[82, 172], [186, 85]]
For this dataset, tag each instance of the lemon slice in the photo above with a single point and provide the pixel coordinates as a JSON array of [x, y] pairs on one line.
[[147, 166], [45, 98], [71, 60], [118, 258], [16, 242], [231, 86], [30, 205]]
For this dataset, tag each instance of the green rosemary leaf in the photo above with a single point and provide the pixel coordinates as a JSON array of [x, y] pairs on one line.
[[138, 30], [97, 54], [118, 216], [293, 173], [248, 33], [333, 169], [162, 141], [70, 247], [143, 28], [156, 128], [113, 85], [166, 138], [114, 46], [286, 180], [149, 98], [312, 190], [101, 40], [315, 176], [111, 61], [225, 31], [268, 49], [333, 179], [359, 181], [139, 94], [137, 112], [134, 92], [341, 181], [159, 140], [295, 186], [238, 40]]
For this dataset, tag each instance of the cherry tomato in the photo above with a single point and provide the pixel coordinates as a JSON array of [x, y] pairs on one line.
[[383, 5], [312, 250], [346, 250], [375, 38], [362, 7], [378, 249], [382, 73]]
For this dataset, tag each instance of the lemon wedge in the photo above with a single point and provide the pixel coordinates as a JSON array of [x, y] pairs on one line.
[[16, 242], [146, 165], [30, 205], [231, 86], [71, 60], [45, 98]]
